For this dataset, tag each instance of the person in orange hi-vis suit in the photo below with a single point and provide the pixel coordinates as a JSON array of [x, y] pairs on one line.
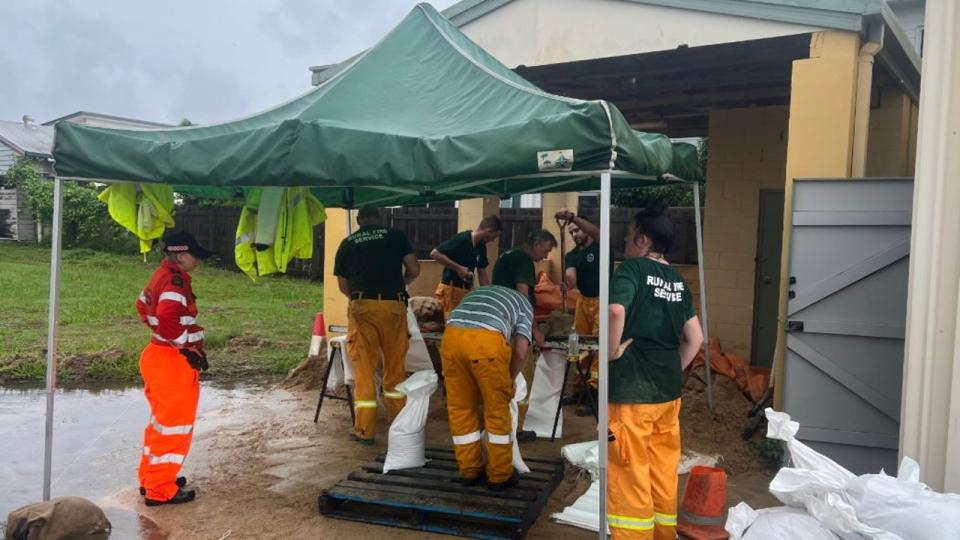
[[170, 366], [373, 267], [654, 335]]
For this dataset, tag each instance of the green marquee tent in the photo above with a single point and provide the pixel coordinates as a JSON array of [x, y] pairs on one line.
[[424, 115]]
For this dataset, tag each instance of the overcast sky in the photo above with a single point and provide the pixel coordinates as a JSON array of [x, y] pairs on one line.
[[206, 60]]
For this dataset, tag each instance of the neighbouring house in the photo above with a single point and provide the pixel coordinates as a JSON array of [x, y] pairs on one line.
[[34, 142]]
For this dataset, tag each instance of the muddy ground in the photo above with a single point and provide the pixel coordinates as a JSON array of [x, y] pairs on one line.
[[259, 465]]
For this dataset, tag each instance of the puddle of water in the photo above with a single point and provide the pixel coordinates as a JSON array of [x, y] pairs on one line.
[[97, 441]]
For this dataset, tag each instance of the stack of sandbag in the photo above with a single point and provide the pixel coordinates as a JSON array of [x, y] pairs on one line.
[[826, 501]]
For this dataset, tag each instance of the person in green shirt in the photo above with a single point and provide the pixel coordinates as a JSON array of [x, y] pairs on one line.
[[515, 267], [461, 256], [654, 335], [373, 267]]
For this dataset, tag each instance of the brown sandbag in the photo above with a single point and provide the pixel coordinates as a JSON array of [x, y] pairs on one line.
[[61, 518], [550, 298]]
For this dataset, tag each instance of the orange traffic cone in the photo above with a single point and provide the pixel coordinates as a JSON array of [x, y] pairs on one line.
[[704, 510], [319, 334]]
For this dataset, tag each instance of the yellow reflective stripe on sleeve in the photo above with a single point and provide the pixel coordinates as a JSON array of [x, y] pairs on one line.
[[633, 524], [364, 404], [669, 520], [393, 395]]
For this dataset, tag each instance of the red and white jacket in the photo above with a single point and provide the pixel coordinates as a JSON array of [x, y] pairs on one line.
[[168, 306]]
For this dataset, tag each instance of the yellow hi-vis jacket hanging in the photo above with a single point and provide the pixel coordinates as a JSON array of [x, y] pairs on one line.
[[146, 210], [286, 218]]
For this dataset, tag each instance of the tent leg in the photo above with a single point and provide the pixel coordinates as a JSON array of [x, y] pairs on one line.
[[55, 241], [703, 294], [603, 353]]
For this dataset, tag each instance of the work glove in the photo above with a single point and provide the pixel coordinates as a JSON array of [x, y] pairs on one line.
[[196, 358]]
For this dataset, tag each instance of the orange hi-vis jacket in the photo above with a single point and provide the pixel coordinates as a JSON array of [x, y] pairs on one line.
[[168, 306]]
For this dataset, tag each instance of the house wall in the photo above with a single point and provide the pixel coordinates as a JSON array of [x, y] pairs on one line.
[[538, 32], [7, 157], [891, 147], [747, 153]]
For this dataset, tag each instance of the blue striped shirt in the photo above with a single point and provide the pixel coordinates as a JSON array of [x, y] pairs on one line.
[[496, 308]]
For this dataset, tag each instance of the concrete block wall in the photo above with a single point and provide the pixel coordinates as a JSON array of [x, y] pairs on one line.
[[747, 153]]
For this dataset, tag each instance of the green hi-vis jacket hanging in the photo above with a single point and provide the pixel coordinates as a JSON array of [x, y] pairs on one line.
[[146, 210], [276, 226]]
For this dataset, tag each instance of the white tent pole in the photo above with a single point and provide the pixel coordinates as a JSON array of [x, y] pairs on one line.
[[604, 354], [703, 294], [55, 240]]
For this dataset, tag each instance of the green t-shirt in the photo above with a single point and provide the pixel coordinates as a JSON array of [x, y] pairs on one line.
[[586, 261], [516, 266], [371, 259], [461, 250], [658, 303]]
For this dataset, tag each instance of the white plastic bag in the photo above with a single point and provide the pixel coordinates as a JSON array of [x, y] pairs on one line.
[[418, 358], [405, 446], [904, 506], [782, 523], [545, 395], [519, 393]]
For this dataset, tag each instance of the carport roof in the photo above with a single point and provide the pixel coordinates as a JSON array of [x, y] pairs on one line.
[[872, 18]]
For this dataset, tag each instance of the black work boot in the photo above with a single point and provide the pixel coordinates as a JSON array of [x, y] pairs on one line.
[[181, 481], [184, 495], [508, 483], [475, 481]]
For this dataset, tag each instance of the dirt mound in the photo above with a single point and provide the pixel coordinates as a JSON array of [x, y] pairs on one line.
[[246, 343], [717, 433], [309, 374], [77, 365]]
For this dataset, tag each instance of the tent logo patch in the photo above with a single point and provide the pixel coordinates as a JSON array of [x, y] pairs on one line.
[[555, 160]]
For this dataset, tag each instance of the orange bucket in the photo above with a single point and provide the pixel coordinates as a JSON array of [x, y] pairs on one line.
[[704, 509]]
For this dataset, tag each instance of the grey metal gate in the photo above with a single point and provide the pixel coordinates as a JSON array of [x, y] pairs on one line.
[[849, 252]]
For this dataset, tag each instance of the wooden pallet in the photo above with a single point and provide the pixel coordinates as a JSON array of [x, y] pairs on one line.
[[431, 498]]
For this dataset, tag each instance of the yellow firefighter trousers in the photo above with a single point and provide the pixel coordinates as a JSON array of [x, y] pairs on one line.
[[449, 298], [476, 367], [375, 325], [586, 321], [643, 460]]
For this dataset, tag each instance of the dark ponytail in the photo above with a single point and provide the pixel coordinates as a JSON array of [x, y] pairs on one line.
[[657, 225]]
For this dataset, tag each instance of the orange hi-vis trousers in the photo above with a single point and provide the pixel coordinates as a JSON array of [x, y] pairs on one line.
[[172, 388], [375, 325], [449, 297], [586, 321], [642, 463], [476, 367]]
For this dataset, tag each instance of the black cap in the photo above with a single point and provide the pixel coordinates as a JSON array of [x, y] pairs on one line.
[[184, 242]]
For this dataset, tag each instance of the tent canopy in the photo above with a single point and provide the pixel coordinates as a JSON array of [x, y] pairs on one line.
[[424, 115]]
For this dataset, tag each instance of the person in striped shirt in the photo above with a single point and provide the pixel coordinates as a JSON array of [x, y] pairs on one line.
[[483, 350]]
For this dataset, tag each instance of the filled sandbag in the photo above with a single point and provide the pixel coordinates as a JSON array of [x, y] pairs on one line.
[[406, 443]]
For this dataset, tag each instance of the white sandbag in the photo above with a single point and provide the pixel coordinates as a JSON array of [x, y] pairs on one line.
[[406, 444], [584, 512], [904, 506], [519, 393], [342, 371], [816, 483], [545, 395], [782, 523], [418, 358], [585, 455]]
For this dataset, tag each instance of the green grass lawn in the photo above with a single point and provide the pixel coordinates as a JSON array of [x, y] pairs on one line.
[[251, 328]]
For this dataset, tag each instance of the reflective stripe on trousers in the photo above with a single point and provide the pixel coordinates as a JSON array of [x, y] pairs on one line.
[[635, 524]]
